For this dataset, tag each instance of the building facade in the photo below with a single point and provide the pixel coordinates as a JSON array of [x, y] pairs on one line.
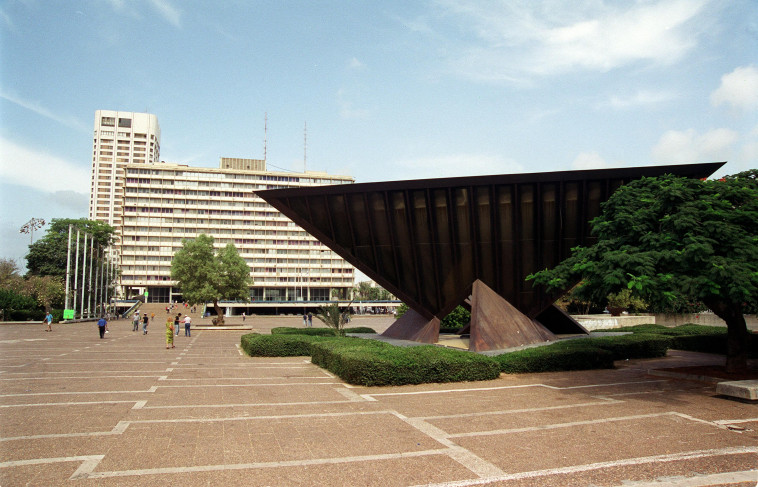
[[165, 203], [120, 138]]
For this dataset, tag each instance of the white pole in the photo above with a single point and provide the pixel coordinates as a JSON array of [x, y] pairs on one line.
[[91, 265], [76, 272], [84, 274], [68, 268]]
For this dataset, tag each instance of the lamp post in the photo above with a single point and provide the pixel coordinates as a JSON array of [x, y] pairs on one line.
[[32, 225]]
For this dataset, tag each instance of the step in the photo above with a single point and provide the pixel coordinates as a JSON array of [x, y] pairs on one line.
[[742, 389]]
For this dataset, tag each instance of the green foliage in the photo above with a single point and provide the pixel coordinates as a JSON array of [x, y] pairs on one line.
[[205, 275], [675, 241], [671, 238], [458, 318], [402, 309], [333, 317], [10, 299], [568, 355], [48, 255], [364, 291], [285, 330], [375, 363], [281, 345]]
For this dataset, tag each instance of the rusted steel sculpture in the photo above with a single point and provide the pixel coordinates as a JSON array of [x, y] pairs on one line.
[[438, 243]]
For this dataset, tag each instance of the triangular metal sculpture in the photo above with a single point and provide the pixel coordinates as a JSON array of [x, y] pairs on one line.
[[429, 241]]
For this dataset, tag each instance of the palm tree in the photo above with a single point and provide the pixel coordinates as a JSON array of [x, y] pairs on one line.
[[334, 318]]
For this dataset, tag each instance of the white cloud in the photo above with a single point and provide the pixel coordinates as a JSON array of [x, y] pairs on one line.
[[454, 165], [689, 147], [639, 99], [355, 63], [517, 40], [44, 112], [44, 172], [589, 160], [168, 11], [738, 89]]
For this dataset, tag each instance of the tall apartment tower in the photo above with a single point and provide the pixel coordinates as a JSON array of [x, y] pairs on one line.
[[120, 138]]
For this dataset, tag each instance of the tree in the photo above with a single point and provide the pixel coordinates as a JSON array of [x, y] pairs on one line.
[[364, 291], [47, 290], [334, 318], [675, 240], [48, 255], [204, 275]]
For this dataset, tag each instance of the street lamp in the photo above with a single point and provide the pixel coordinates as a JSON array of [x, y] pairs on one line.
[[32, 225]]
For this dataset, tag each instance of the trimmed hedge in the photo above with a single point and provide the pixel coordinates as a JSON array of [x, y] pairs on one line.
[[326, 332], [639, 345], [693, 338], [257, 345], [375, 363], [569, 355]]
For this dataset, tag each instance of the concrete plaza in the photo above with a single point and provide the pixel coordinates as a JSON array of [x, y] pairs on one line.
[[78, 410]]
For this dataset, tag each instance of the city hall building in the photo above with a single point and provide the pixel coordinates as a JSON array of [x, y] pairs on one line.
[[155, 205]]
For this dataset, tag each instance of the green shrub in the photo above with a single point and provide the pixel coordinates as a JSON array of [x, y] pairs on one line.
[[576, 354], [257, 345], [639, 345], [375, 363]]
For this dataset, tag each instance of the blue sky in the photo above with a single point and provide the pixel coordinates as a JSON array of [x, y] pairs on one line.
[[389, 90]]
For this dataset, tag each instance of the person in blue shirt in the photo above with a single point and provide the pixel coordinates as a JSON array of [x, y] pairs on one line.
[[49, 321], [102, 325]]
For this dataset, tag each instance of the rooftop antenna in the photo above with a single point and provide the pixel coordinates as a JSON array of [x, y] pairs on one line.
[[265, 133], [305, 147]]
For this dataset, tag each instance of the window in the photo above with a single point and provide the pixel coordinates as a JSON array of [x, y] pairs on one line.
[[125, 122], [108, 121]]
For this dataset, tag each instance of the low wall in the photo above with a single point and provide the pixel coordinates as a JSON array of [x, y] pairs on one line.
[[605, 321], [708, 319]]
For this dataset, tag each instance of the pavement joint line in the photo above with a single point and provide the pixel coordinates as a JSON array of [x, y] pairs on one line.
[[260, 465], [699, 480], [523, 410], [520, 386], [256, 404], [735, 421], [666, 458], [38, 461], [239, 348], [75, 403], [571, 424], [139, 404], [151, 389], [99, 376], [352, 397], [467, 458], [283, 384]]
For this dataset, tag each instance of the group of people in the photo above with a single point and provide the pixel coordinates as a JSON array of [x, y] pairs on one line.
[[172, 326], [136, 320]]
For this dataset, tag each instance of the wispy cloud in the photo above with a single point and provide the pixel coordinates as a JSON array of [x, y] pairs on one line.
[[168, 11], [45, 172], [738, 89], [514, 41], [37, 108], [354, 63], [589, 160], [639, 99]]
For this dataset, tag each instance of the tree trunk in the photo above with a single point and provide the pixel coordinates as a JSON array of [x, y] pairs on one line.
[[737, 340], [219, 313]]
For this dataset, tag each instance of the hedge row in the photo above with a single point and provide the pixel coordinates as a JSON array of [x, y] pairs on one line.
[[693, 338], [375, 363]]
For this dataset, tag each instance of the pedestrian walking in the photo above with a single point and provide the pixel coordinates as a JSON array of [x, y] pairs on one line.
[[176, 323], [169, 332], [144, 324], [305, 319], [102, 326], [243, 316], [135, 322], [187, 323], [310, 319], [49, 320]]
